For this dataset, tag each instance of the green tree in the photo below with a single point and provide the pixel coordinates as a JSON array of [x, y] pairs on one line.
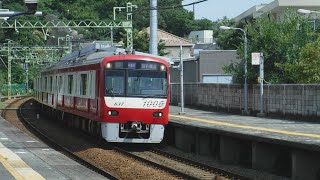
[[307, 68], [141, 42], [280, 41], [203, 24], [228, 39]]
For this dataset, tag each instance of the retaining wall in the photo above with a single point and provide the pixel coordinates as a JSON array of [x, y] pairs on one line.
[[287, 100]]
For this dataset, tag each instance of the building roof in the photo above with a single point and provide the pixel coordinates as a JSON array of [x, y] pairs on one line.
[[171, 39], [206, 46], [276, 7]]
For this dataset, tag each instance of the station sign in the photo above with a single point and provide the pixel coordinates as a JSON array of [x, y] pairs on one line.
[[256, 58]]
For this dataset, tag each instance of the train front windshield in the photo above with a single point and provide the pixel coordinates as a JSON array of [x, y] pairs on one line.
[[136, 79]]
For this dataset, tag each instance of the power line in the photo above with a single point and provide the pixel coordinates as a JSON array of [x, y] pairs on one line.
[[173, 6]]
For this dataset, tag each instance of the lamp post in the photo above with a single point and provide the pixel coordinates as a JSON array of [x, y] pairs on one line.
[[180, 67], [306, 11], [245, 66]]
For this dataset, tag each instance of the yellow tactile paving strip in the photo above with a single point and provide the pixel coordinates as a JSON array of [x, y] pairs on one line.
[[246, 127], [16, 166]]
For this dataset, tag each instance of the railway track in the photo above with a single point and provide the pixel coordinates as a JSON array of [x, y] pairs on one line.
[[219, 172], [174, 163], [179, 167], [15, 108], [170, 164]]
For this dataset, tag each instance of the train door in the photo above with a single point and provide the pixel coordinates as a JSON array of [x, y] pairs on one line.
[[93, 89]]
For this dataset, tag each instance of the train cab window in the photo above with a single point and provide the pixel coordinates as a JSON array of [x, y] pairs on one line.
[[83, 84], [147, 83], [114, 82], [70, 84]]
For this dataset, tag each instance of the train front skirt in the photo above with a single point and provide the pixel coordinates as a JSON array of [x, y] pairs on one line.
[[112, 132]]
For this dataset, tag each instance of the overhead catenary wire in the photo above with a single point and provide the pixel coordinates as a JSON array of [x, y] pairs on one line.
[[172, 6]]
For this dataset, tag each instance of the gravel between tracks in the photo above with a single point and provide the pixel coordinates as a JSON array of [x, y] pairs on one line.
[[120, 165]]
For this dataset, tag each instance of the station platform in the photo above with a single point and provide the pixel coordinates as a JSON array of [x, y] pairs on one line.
[[301, 134], [22, 157], [285, 148]]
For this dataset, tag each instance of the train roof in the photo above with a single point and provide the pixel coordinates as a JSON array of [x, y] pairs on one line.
[[94, 54]]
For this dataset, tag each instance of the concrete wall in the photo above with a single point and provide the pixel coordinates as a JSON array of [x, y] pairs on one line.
[[213, 61], [190, 70], [174, 51], [294, 101], [249, 154], [204, 36]]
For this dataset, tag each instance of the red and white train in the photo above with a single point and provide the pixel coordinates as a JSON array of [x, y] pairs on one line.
[[105, 91]]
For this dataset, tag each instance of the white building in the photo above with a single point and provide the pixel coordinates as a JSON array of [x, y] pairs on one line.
[[276, 9], [203, 36]]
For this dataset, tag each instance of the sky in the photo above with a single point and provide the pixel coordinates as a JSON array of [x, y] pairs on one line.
[[217, 9]]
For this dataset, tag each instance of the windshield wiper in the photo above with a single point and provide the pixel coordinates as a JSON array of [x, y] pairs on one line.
[[110, 91]]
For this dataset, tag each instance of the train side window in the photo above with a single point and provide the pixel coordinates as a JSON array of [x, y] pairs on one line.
[[39, 84], [60, 84], [93, 84], [83, 84], [55, 84], [70, 84], [45, 84], [51, 84]]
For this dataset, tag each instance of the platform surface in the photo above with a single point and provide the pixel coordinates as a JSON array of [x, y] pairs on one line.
[[22, 157], [287, 132]]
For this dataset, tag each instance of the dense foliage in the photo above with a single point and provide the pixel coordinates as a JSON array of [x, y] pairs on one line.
[[288, 45], [177, 21]]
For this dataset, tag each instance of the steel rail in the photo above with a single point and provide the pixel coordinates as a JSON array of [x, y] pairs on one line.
[[56, 146]]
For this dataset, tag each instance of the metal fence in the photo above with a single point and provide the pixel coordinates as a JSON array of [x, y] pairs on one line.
[[16, 89]]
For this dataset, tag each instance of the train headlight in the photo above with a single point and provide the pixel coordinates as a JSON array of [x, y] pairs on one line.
[[113, 113], [157, 114], [108, 66], [162, 68]]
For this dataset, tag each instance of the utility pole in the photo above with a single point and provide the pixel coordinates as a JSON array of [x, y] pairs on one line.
[[153, 45], [9, 71], [194, 13], [181, 83], [128, 23], [5, 14]]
